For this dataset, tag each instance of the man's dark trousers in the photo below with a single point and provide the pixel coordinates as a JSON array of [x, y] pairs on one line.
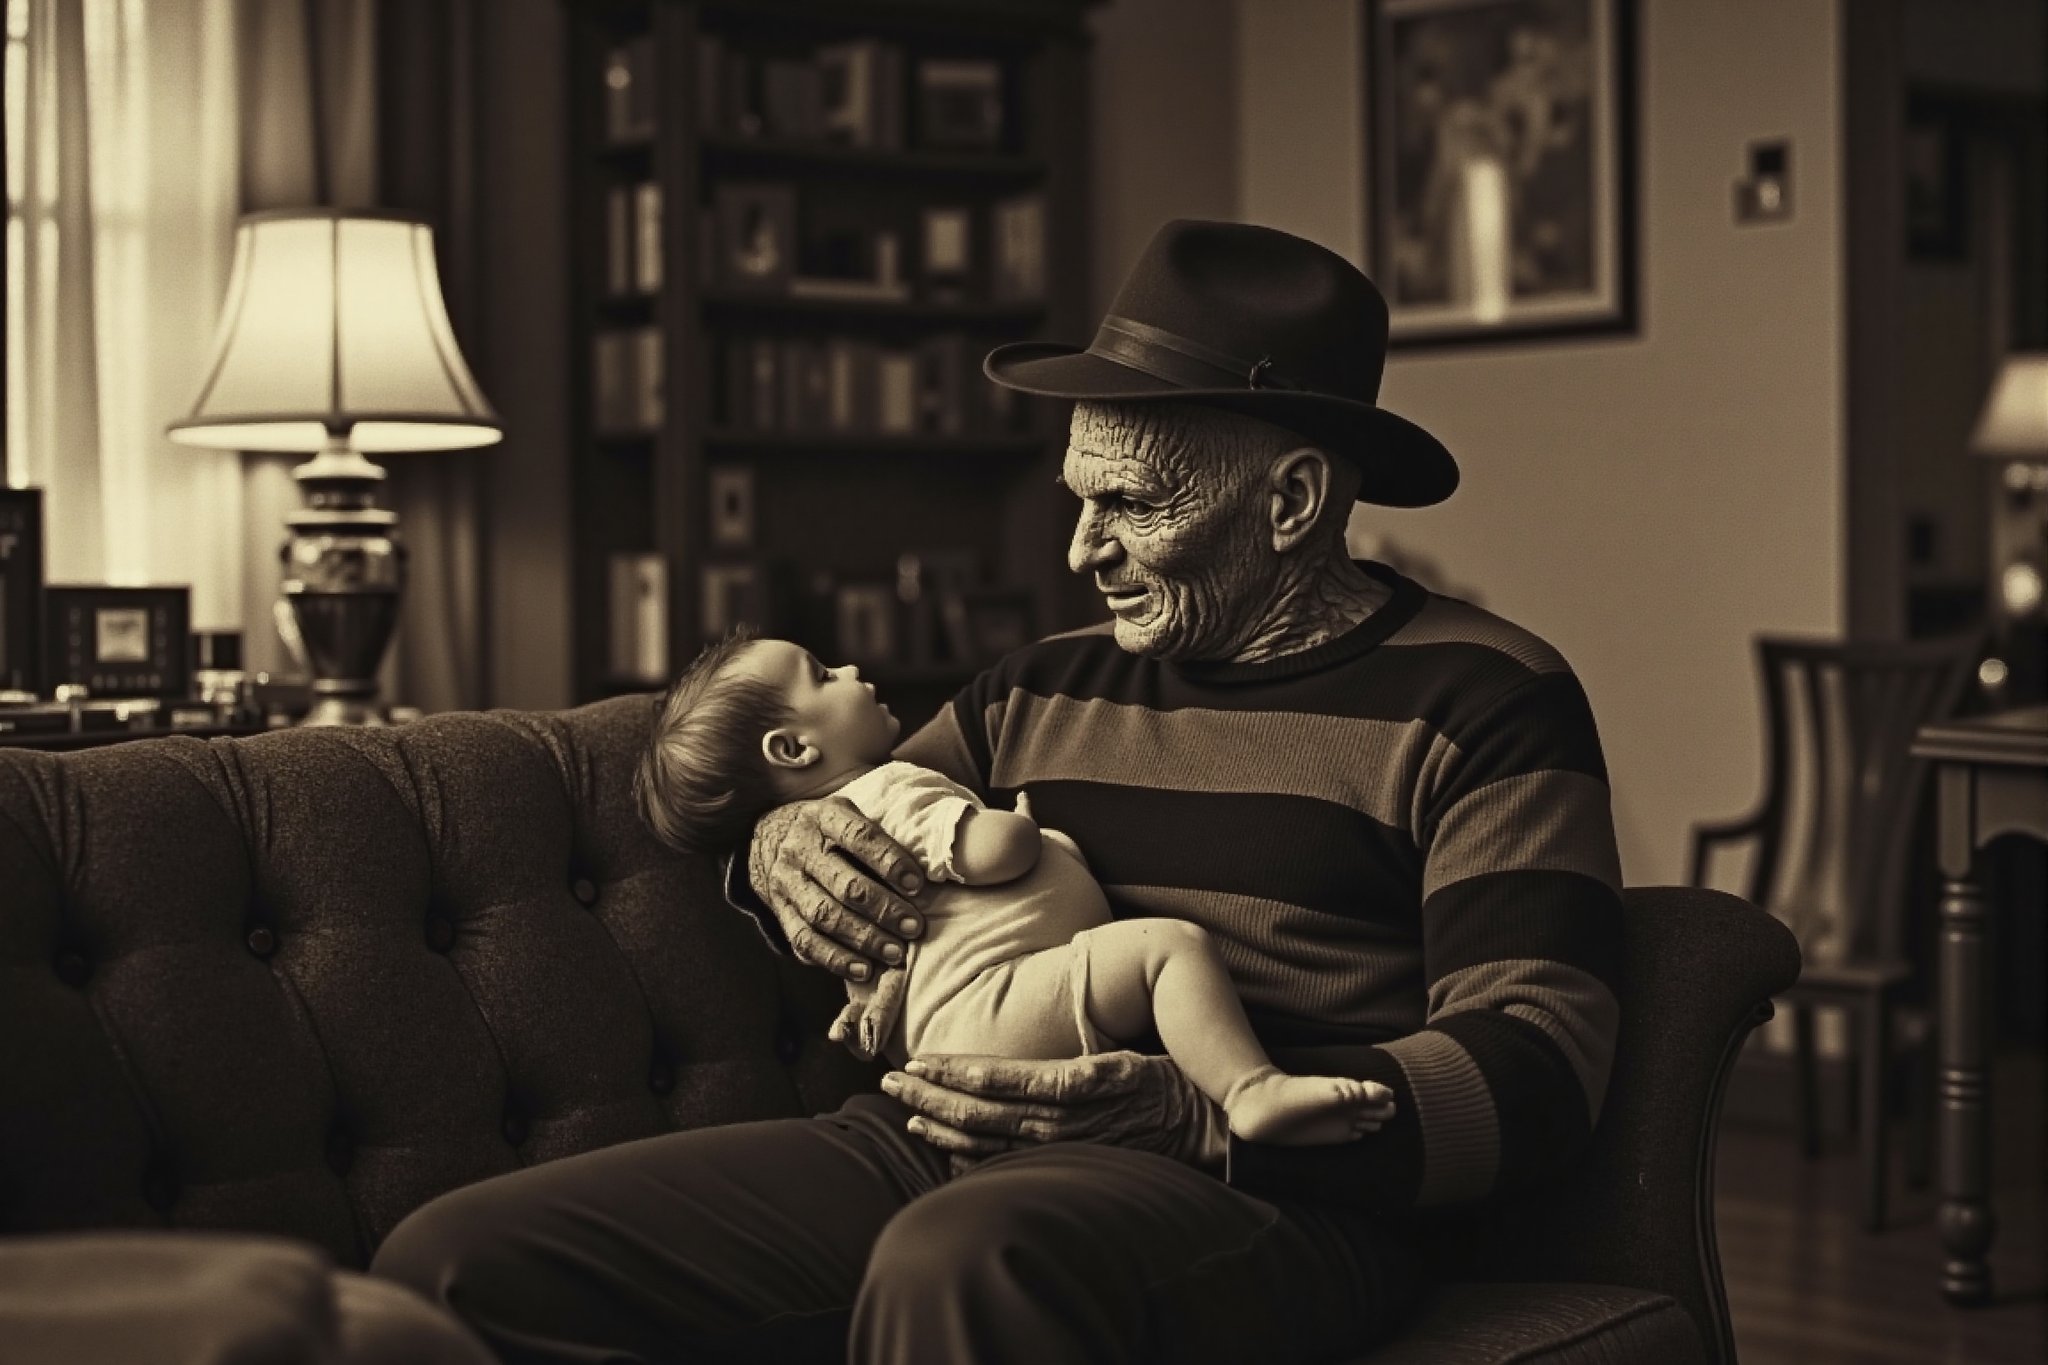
[[843, 1238]]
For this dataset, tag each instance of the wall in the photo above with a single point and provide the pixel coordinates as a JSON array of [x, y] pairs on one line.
[[1647, 504], [1164, 87]]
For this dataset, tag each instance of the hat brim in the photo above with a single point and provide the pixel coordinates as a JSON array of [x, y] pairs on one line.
[[1403, 465]]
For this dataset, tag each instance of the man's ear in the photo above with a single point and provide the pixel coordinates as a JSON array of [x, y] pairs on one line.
[[1300, 483], [785, 748]]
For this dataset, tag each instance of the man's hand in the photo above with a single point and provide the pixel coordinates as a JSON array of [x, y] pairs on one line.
[[827, 873], [974, 1107]]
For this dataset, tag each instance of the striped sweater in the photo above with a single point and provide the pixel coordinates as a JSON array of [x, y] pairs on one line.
[[1401, 842]]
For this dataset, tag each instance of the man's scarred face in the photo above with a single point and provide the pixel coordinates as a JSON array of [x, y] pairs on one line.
[[1172, 526]]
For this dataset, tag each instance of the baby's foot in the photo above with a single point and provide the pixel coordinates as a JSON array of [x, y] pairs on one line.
[[1302, 1111]]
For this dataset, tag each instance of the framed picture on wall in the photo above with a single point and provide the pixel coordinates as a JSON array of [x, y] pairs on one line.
[[1500, 177]]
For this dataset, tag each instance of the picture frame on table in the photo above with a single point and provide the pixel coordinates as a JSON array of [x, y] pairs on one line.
[[118, 641], [21, 590], [756, 235], [1500, 178]]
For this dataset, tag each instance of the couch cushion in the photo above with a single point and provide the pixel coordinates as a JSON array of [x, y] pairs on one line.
[[303, 982], [209, 1299], [1557, 1324]]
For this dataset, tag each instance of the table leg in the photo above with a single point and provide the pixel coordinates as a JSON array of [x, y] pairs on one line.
[[1965, 1147]]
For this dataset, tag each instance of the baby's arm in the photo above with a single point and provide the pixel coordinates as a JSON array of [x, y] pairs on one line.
[[991, 846]]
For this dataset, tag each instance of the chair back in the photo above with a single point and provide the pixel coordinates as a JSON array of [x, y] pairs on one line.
[[1841, 788], [1699, 970]]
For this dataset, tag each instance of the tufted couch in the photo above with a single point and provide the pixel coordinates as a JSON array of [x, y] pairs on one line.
[[298, 984]]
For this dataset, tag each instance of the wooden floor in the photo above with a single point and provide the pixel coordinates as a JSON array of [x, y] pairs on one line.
[[1807, 1286]]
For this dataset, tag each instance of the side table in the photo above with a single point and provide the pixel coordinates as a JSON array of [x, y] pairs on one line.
[[1991, 778]]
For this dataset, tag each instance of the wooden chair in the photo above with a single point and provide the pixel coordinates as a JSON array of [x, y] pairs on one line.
[[1832, 844]]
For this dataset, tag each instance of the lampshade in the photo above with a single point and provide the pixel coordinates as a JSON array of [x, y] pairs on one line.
[[333, 322], [2014, 425]]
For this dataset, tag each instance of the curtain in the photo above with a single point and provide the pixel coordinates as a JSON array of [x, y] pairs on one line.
[[122, 199], [427, 163]]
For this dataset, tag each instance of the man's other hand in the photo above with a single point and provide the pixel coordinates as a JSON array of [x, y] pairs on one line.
[[975, 1107], [837, 885]]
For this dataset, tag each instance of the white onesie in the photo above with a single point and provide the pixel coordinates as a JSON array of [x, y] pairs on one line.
[[1001, 970]]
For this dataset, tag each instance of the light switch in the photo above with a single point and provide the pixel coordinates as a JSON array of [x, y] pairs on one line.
[[1765, 196]]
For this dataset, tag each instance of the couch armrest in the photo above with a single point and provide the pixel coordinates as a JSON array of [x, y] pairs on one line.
[[185, 1298]]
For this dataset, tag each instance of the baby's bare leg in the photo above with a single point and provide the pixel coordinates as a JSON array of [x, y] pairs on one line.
[[1165, 974]]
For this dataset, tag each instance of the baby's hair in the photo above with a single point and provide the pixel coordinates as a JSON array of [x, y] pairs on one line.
[[703, 781]]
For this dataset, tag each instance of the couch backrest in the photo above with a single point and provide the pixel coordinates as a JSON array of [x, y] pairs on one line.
[[304, 982], [1699, 972]]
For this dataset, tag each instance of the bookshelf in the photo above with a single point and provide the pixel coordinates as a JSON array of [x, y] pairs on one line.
[[797, 227]]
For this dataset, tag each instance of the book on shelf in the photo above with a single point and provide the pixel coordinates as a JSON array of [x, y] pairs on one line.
[[896, 393], [960, 104], [943, 366], [792, 99], [806, 386], [1017, 267], [633, 239], [851, 366], [647, 237], [637, 639], [947, 259], [862, 93], [629, 91], [732, 594], [626, 380]]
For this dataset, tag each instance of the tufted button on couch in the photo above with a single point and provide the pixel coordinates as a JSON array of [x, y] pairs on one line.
[[298, 984]]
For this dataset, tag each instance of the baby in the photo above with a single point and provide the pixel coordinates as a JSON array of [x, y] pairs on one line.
[[1021, 956]]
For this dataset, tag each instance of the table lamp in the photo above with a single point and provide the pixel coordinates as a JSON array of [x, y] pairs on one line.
[[2014, 423], [2013, 428], [334, 340]]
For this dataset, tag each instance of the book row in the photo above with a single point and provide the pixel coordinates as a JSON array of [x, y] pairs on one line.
[[866, 93], [855, 385]]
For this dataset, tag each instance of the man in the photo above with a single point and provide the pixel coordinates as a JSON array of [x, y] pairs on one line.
[[1388, 807]]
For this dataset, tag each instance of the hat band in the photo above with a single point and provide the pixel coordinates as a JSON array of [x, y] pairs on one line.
[[1180, 360]]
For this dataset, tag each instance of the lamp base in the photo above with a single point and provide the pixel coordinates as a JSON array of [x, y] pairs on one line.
[[344, 574], [353, 711]]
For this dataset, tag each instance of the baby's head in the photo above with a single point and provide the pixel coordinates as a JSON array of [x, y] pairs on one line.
[[752, 724]]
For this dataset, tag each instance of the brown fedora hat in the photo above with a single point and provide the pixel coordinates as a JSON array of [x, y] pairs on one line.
[[1255, 321]]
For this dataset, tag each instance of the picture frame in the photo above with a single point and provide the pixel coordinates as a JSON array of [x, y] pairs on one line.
[[1500, 170], [730, 497], [21, 590], [756, 235], [118, 641]]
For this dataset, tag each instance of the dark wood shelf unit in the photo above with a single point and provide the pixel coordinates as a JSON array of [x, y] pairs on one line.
[[977, 447], [831, 504], [765, 308], [729, 153]]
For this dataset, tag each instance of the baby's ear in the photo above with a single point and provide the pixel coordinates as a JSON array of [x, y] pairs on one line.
[[785, 748]]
